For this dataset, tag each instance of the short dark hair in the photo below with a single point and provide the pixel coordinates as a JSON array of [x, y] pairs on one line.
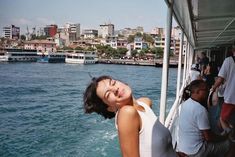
[[196, 84], [191, 88], [92, 103]]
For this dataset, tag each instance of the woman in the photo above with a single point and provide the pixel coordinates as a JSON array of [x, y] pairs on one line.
[[210, 73], [140, 132]]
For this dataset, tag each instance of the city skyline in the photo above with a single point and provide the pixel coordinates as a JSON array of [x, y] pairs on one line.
[[90, 14]]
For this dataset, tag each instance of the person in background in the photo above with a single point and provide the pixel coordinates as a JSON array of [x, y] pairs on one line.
[[139, 130], [209, 73], [195, 72], [195, 136], [227, 73], [203, 61]]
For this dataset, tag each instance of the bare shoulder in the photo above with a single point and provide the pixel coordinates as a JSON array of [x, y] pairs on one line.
[[128, 110], [128, 119], [146, 100]]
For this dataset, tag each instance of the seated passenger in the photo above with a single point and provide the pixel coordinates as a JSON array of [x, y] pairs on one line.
[[195, 136]]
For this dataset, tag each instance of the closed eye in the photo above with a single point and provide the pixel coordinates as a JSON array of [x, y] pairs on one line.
[[113, 82], [107, 94]]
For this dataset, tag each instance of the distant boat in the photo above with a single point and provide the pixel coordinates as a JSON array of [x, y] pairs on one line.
[[85, 57], [18, 55], [3, 56], [51, 57]]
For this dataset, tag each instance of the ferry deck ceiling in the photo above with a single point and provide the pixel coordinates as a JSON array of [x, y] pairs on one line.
[[206, 23]]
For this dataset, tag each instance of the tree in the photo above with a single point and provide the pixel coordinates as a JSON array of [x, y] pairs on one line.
[[134, 53], [120, 35], [130, 38], [121, 52], [148, 38], [138, 34], [90, 48], [67, 48], [23, 37], [78, 48], [158, 51]]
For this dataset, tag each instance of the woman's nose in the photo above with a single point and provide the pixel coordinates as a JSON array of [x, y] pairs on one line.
[[115, 89]]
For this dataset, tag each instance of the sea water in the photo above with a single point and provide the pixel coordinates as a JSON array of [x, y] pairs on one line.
[[41, 109]]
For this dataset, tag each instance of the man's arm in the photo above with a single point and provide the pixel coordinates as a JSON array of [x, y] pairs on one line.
[[209, 136], [217, 83]]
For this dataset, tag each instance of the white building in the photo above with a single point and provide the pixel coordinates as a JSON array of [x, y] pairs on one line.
[[73, 30], [90, 33], [11, 32], [106, 30], [139, 44]]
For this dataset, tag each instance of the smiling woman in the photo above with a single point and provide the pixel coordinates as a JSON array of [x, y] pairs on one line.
[[140, 132]]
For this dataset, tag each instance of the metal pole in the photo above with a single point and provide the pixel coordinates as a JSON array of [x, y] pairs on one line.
[[180, 64], [165, 67], [185, 61]]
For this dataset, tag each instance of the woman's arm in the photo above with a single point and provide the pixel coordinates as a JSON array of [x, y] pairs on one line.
[[129, 125]]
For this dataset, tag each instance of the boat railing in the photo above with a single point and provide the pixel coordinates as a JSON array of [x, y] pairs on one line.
[[172, 119]]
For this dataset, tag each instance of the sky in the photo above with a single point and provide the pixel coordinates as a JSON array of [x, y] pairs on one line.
[[89, 13]]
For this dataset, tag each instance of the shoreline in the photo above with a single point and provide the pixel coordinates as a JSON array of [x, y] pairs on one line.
[[155, 63]]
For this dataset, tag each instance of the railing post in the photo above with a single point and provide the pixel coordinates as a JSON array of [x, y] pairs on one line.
[[180, 63], [165, 67]]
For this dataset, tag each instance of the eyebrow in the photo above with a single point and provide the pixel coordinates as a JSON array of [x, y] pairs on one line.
[[106, 87]]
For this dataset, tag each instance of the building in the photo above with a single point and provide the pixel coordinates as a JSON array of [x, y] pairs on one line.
[[139, 44], [90, 33], [11, 32], [41, 45], [73, 31], [129, 31], [157, 31], [50, 30], [159, 39], [106, 30], [40, 32]]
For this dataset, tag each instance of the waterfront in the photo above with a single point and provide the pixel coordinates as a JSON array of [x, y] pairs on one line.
[[41, 110]]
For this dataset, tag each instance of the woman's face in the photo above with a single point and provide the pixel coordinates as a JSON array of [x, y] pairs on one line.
[[114, 93]]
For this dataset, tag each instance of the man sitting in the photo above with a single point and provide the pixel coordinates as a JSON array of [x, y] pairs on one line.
[[195, 136]]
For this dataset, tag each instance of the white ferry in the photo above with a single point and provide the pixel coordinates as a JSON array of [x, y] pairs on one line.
[[18, 55], [51, 57], [3, 56], [207, 26], [84, 57]]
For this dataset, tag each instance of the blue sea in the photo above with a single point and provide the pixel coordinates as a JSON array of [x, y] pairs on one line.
[[41, 109]]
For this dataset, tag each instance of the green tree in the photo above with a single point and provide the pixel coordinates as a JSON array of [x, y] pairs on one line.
[[130, 38], [121, 52], [138, 34], [23, 37], [78, 48], [67, 48], [90, 48], [148, 38], [120, 35], [158, 51], [134, 53]]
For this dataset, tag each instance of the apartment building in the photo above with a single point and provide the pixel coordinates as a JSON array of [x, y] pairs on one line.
[[90, 33], [11, 32], [41, 45], [106, 30]]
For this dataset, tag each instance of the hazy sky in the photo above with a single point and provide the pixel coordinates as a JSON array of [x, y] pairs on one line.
[[89, 13]]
